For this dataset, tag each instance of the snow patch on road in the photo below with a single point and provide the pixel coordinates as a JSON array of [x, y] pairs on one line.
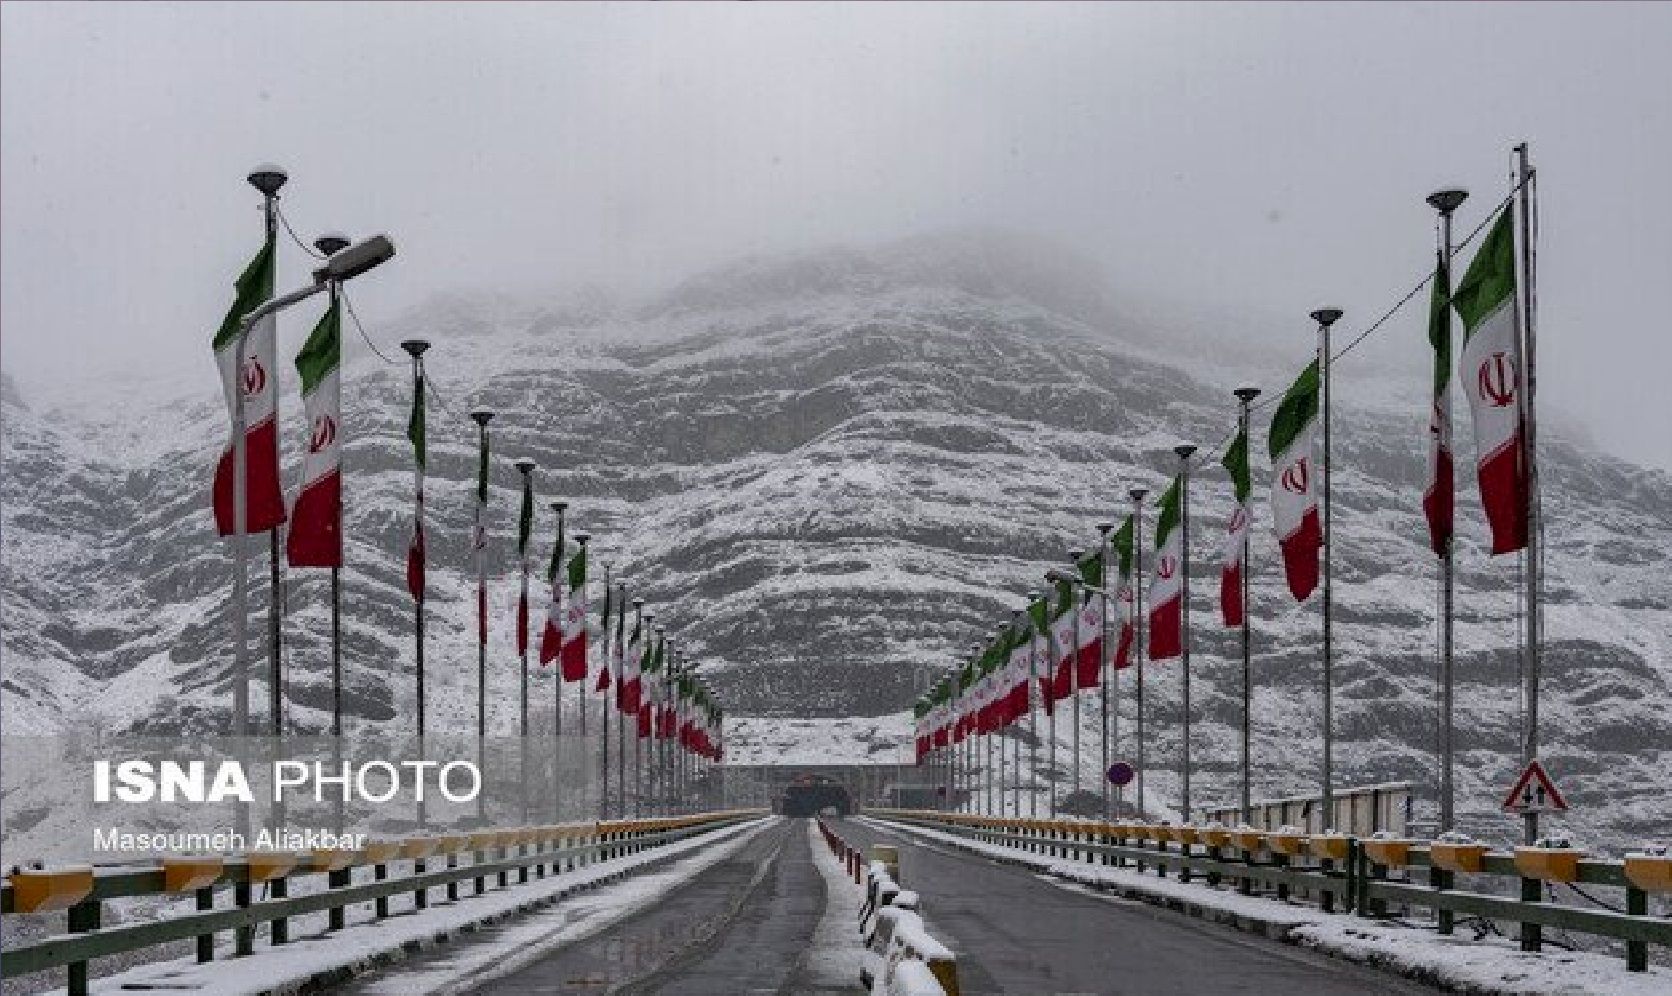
[[838, 952]]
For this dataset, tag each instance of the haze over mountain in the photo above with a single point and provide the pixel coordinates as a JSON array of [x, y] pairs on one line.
[[829, 472]]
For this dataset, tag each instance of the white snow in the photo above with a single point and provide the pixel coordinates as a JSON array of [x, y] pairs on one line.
[[1491, 965], [284, 969], [837, 954]]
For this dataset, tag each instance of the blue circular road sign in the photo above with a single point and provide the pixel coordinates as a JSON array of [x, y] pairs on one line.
[[1121, 773]]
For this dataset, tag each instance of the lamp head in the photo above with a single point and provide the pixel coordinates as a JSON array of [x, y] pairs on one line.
[[1184, 450], [268, 178], [481, 416], [415, 347], [1327, 316], [331, 243], [1137, 494], [1105, 527], [524, 464], [1246, 394], [559, 506], [1448, 200], [582, 538], [1074, 554], [349, 263], [638, 602]]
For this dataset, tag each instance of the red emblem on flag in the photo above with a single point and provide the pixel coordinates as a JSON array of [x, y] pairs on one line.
[[1498, 380], [1168, 566], [1239, 519], [324, 433], [254, 376], [1297, 477]]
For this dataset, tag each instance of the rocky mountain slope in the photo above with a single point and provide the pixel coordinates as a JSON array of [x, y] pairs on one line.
[[829, 473]]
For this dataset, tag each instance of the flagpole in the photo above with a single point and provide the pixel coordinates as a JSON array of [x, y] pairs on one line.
[[1051, 713], [620, 697], [1184, 451], [416, 348], [560, 507], [268, 182], [1138, 652], [1446, 202], [1035, 699], [641, 627], [581, 539], [604, 746], [1326, 317], [1245, 397], [1104, 673], [329, 245], [481, 417], [1526, 177], [1074, 556]]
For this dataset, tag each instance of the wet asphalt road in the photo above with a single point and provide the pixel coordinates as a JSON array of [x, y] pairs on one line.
[[741, 927], [1018, 934]]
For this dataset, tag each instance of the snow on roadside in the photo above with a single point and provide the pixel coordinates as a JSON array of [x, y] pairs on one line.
[[363, 945], [1493, 965], [838, 952]]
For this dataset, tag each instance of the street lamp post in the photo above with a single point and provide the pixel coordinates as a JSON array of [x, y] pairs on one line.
[[1326, 317], [1139, 650]]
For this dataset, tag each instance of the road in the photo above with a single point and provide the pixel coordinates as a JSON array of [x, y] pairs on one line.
[[743, 926], [1019, 934]]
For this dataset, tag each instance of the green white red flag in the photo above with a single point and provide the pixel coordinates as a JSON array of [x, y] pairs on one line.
[[1235, 462], [1063, 640], [1166, 613], [1018, 673], [573, 652], [1039, 652], [258, 382], [1439, 498], [1490, 371], [551, 635], [1089, 653], [1126, 593], [1294, 482], [315, 537], [627, 693]]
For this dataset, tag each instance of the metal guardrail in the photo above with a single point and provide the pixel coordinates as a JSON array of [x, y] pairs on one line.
[[476, 856], [1355, 871]]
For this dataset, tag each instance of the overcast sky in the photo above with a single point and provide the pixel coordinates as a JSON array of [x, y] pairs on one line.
[[1241, 165]]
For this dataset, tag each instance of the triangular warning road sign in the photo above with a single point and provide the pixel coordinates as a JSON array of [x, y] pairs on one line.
[[1534, 792]]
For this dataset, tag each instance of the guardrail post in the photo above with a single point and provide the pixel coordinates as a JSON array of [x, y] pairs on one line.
[[1326, 896], [337, 880], [244, 936], [1637, 952], [452, 887], [206, 942], [381, 904], [1532, 934], [420, 896], [83, 917], [503, 877], [522, 871], [1279, 860], [1440, 879], [281, 926]]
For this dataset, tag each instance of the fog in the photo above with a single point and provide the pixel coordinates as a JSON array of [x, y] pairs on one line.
[[1226, 168]]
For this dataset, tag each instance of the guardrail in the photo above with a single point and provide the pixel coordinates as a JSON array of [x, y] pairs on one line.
[[852, 861], [1359, 872], [474, 856], [912, 962]]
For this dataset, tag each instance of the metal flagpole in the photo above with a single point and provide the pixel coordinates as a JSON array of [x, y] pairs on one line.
[[604, 706], [1245, 396], [525, 467], [1325, 317], [560, 507], [1104, 674], [1527, 224], [415, 348], [328, 245], [581, 539], [482, 417], [1035, 698], [1445, 202], [1051, 685], [1184, 452], [269, 183], [1139, 652], [641, 626], [1074, 556], [621, 697], [992, 695]]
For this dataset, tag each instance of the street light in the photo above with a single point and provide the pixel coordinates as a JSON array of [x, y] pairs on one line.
[[268, 178]]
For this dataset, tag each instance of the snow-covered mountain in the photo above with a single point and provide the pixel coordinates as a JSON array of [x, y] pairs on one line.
[[828, 473]]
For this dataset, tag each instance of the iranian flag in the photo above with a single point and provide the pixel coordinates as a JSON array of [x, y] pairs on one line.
[[1039, 650], [1439, 497], [603, 681], [315, 538], [573, 652], [525, 530], [1063, 641], [1235, 462], [628, 692], [1089, 656], [415, 433], [479, 543], [1490, 371], [1125, 594], [257, 381], [1166, 614], [551, 635], [1294, 484], [920, 727], [1016, 697], [650, 668]]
